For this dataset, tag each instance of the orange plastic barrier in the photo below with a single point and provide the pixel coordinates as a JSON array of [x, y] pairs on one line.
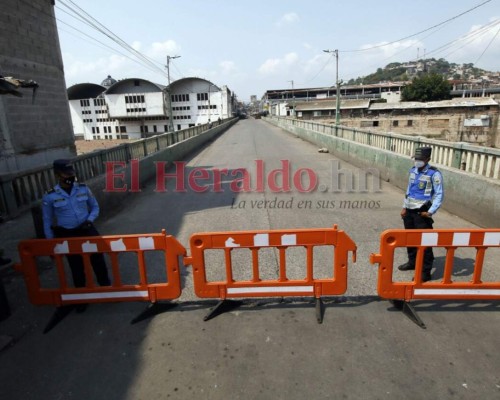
[[451, 239], [30, 250], [281, 240]]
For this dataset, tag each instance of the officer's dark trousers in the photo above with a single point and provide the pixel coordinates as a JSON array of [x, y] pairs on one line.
[[413, 220], [76, 261]]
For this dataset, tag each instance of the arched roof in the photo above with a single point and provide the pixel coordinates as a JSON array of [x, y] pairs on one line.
[[85, 91], [191, 81], [134, 85]]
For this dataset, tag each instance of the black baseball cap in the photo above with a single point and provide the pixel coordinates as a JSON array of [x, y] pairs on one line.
[[423, 153], [64, 166]]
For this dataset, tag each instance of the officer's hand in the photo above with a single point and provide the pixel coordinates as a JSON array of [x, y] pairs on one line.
[[403, 213], [425, 214], [86, 225]]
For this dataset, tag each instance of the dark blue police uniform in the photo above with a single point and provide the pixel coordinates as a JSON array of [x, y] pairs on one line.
[[71, 212]]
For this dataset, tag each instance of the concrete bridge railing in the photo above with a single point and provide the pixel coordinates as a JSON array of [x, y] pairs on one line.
[[471, 173]]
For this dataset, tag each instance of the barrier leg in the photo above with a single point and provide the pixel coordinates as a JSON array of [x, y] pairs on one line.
[[320, 310], [409, 311], [222, 307], [152, 310], [58, 316]]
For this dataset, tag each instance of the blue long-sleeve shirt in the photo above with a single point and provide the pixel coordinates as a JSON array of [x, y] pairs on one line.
[[68, 210], [424, 185]]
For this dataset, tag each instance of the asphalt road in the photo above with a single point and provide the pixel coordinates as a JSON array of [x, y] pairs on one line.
[[365, 348]]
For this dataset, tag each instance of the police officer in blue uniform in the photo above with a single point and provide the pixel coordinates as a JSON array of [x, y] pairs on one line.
[[424, 196], [69, 210]]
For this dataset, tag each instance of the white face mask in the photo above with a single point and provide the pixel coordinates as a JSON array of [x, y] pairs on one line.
[[419, 163]]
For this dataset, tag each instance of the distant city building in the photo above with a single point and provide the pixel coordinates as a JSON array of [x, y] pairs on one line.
[[136, 108]]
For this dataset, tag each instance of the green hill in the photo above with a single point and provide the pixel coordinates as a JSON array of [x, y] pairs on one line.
[[408, 70]]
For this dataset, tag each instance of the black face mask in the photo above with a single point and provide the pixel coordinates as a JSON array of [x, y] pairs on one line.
[[69, 180]]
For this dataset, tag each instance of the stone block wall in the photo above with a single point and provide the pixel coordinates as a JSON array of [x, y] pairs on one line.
[[33, 133]]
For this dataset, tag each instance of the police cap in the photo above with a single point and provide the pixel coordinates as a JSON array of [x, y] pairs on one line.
[[423, 153], [63, 166]]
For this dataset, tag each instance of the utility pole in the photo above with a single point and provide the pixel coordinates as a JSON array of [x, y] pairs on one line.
[[337, 102], [170, 117], [293, 100]]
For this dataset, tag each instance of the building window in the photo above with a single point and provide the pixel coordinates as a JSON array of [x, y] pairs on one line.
[[123, 129], [202, 96], [154, 128], [85, 103], [375, 123], [180, 97], [135, 99], [395, 123], [409, 122]]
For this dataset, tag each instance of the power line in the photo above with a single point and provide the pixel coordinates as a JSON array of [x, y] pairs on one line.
[[470, 37], [489, 44], [418, 33], [86, 18]]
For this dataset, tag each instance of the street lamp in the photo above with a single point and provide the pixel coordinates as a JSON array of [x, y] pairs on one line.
[[170, 117], [293, 100], [337, 102]]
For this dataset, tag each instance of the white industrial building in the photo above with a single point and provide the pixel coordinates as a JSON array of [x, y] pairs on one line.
[[136, 108]]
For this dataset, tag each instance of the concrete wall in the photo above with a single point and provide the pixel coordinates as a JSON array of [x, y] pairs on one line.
[[109, 202], [32, 134], [473, 197]]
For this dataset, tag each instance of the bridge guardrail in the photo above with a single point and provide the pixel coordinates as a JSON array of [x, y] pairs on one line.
[[483, 161]]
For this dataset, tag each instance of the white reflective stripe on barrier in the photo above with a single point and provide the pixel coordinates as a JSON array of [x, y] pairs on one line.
[[103, 295], [460, 239], [472, 292], [271, 289]]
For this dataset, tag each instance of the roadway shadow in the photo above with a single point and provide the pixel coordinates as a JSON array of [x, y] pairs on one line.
[[461, 267]]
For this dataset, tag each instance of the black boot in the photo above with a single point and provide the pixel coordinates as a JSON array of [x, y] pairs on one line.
[[406, 267]]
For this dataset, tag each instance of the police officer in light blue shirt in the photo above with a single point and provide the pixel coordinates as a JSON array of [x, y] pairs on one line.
[[424, 196], [69, 210]]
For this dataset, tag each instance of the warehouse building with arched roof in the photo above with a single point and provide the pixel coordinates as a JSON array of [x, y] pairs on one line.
[[136, 108]]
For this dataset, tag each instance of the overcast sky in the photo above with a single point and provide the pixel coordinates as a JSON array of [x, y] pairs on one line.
[[256, 46]]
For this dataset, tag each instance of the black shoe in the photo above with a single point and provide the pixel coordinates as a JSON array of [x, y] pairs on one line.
[[426, 276], [80, 308], [406, 267], [4, 261]]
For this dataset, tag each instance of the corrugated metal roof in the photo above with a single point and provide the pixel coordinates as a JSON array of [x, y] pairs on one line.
[[457, 102], [330, 105]]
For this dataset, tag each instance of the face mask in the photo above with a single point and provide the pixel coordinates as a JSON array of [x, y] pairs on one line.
[[69, 180], [419, 163]]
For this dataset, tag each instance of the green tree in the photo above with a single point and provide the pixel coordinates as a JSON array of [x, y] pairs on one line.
[[432, 87]]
